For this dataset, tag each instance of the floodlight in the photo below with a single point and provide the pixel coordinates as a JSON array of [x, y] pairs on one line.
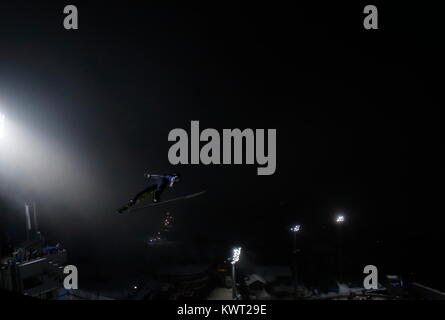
[[340, 219], [236, 255]]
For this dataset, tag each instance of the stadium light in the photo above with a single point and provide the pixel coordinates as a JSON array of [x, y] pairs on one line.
[[295, 230], [236, 255], [234, 259], [340, 219]]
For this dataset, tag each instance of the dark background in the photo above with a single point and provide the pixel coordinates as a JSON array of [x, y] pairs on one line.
[[357, 119]]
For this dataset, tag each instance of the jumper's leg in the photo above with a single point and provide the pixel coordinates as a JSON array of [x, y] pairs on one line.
[[138, 198]]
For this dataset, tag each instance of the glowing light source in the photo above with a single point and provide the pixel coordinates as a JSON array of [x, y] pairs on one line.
[[2, 125], [236, 255], [295, 228], [340, 219]]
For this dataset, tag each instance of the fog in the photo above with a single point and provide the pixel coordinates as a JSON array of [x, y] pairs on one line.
[[35, 165]]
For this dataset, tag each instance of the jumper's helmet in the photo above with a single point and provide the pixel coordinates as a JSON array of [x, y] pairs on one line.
[[176, 177]]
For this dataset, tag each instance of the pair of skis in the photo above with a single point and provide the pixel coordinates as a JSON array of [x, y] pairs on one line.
[[127, 208]]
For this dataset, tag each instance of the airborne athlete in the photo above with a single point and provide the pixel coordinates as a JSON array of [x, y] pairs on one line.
[[156, 188]]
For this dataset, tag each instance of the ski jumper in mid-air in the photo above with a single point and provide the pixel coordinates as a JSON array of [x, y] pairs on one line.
[[156, 188]]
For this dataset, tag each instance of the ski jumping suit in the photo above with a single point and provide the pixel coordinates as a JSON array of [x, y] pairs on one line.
[[159, 183]]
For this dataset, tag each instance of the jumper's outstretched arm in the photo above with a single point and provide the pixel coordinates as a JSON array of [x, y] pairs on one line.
[[149, 176]]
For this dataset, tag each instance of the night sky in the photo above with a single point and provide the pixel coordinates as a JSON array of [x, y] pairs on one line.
[[357, 119]]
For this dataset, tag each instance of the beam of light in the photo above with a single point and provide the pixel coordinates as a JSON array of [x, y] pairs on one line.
[[39, 165], [236, 255], [2, 126]]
